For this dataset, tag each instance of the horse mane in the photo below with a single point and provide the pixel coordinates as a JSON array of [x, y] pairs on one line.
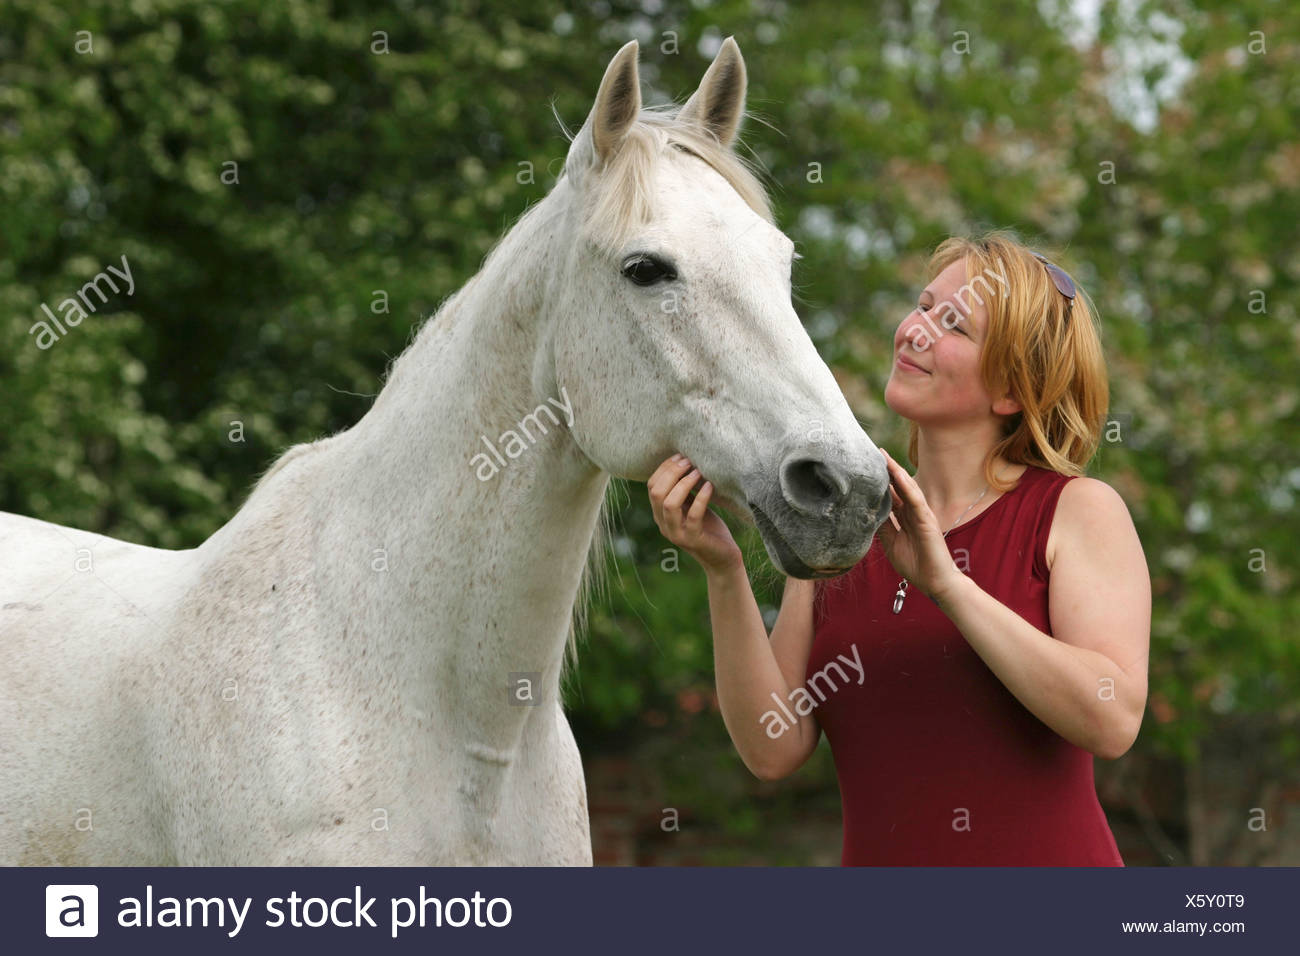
[[594, 581]]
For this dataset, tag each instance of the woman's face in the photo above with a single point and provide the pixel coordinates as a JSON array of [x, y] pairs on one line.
[[935, 375]]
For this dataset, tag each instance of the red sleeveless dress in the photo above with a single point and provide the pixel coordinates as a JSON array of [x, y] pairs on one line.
[[938, 763]]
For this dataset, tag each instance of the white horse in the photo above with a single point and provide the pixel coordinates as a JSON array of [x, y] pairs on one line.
[[333, 677]]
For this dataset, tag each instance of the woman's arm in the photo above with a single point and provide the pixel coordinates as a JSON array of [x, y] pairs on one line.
[[792, 638], [750, 668], [1088, 679]]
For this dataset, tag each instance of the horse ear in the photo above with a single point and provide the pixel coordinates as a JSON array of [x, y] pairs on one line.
[[719, 104], [618, 101]]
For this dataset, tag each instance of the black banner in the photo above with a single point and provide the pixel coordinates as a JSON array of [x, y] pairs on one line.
[[257, 910]]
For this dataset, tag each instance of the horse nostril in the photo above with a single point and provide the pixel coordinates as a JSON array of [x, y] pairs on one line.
[[812, 485], [835, 483]]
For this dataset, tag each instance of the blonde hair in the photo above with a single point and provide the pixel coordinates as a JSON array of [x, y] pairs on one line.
[[1050, 363]]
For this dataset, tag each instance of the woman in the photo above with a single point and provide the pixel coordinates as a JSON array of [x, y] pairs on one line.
[[994, 638]]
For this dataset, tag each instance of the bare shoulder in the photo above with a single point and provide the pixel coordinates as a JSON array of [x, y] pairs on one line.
[[1089, 509]]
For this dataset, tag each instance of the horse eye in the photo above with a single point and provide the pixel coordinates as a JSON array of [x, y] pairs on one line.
[[645, 269]]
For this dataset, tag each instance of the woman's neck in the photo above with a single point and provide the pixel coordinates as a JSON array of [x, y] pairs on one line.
[[950, 468]]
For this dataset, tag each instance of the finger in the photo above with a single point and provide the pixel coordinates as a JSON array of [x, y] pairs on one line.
[[658, 485], [906, 485], [666, 475], [899, 511], [666, 467], [888, 531], [675, 498], [699, 507], [659, 471], [896, 471], [674, 510], [906, 516]]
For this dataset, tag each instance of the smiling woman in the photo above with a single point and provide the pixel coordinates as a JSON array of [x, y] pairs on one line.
[[985, 696], [1003, 678]]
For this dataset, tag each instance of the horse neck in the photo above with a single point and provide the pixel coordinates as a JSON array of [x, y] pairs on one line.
[[480, 576]]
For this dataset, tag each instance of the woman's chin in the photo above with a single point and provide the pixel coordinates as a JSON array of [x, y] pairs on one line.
[[896, 399]]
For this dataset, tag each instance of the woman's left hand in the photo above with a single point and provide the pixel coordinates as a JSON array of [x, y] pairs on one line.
[[911, 536]]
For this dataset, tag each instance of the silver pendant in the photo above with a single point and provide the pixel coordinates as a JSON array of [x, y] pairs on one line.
[[898, 597]]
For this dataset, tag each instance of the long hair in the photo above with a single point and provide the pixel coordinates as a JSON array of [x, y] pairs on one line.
[[1049, 362]]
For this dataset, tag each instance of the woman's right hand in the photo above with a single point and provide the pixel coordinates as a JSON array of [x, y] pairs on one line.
[[688, 523]]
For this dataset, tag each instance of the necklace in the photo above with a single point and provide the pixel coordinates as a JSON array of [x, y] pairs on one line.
[[902, 585]]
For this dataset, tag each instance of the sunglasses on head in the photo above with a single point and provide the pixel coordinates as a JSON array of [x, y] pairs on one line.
[[1064, 284]]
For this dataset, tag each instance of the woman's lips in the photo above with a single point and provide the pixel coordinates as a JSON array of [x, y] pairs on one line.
[[908, 365]]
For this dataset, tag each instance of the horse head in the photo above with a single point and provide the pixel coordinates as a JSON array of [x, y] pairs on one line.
[[674, 329]]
